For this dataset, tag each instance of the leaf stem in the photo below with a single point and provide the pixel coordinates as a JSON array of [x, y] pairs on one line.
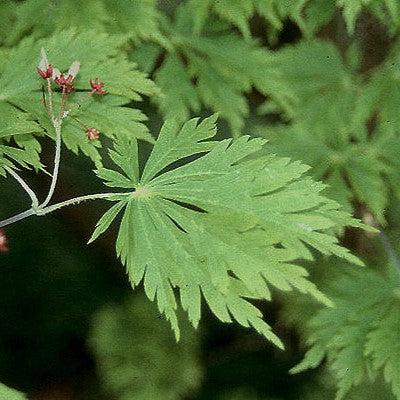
[[25, 186], [41, 210], [77, 200]]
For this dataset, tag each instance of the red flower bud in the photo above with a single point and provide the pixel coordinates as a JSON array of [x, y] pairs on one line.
[[65, 83], [3, 241], [45, 70], [45, 73], [92, 133], [97, 86]]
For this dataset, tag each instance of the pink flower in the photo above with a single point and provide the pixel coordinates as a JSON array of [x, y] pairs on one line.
[[92, 133], [3, 241], [97, 86]]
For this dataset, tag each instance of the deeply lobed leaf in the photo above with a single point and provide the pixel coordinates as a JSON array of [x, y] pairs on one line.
[[227, 225]]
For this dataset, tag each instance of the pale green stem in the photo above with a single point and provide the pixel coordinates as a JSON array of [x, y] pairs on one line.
[[46, 210], [17, 217], [77, 200]]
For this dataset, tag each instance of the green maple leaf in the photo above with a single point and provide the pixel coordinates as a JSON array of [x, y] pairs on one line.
[[227, 225], [138, 19], [320, 92], [216, 69], [50, 16], [17, 145], [308, 14], [353, 166]]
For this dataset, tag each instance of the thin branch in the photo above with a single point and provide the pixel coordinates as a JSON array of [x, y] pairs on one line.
[[57, 157], [32, 195]]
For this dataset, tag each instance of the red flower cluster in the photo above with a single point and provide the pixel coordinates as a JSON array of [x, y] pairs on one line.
[[3, 241], [66, 83], [97, 86]]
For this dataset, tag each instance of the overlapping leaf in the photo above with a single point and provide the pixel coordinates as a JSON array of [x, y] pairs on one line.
[[380, 94], [275, 12], [215, 70], [355, 168], [359, 336], [50, 16], [322, 90], [138, 19], [226, 225], [328, 128], [386, 10], [309, 15]]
